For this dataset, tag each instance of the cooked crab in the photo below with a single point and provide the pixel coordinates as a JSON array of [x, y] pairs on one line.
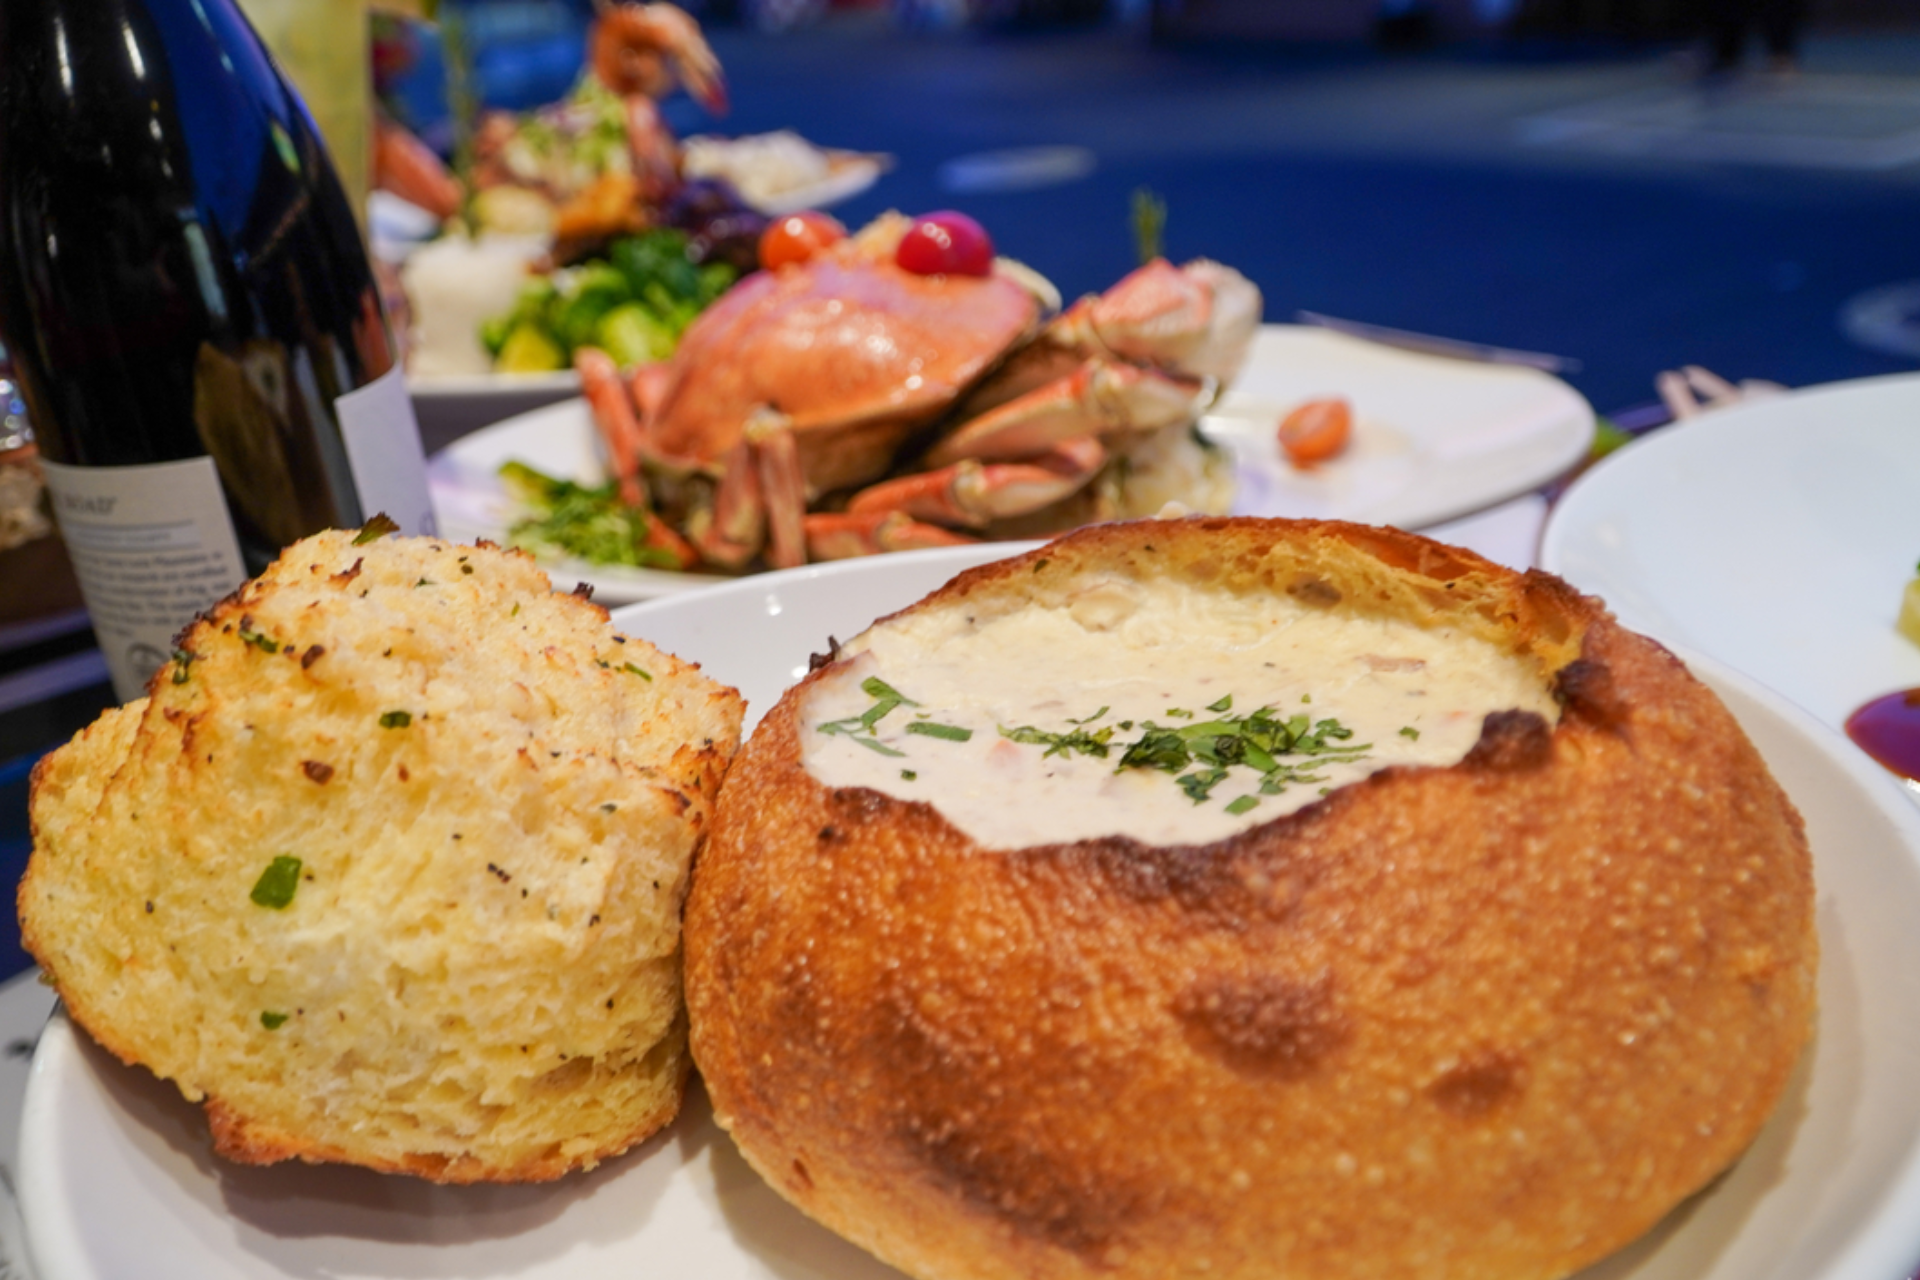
[[844, 405]]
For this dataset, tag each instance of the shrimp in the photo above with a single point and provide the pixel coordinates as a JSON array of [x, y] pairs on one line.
[[645, 49]]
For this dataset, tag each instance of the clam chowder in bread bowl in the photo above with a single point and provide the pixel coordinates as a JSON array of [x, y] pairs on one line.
[[1248, 898]]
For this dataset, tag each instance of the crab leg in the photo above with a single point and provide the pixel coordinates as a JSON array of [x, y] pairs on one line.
[[844, 535], [1095, 398], [613, 415], [784, 493], [649, 385], [970, 495], [729, 530], [626, 439], [662, 537]]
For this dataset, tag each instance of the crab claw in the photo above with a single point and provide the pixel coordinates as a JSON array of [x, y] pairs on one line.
[[1097, 397], [1199, 319], [844, 535], [971, 495]]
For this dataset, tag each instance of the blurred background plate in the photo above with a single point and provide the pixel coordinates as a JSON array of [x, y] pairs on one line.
[[1776, 535], [846, 175], [118, 1179], [849, 173], [449, 406]]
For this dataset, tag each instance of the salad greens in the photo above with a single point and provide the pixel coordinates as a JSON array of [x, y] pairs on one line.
[[633, 304], [589, 522]]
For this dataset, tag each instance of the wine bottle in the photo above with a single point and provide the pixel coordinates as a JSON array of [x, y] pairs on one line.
[[193, 320]]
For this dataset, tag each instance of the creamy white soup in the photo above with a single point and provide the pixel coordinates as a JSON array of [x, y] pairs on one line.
[[1169, 714]]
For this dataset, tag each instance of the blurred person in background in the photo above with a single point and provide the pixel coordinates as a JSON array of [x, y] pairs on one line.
[[1730, 22]]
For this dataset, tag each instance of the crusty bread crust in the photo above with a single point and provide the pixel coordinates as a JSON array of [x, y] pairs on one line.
[[1485, 1021], [494, 801]]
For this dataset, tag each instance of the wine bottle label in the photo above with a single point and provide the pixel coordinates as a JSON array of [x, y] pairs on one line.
[[151, 546], [383, 452]]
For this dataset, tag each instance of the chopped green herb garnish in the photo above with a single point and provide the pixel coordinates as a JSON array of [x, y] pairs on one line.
[[424, 582], [276, 885], [1090, 719], [273, 1021], [396, 719], [1179, 713], [637, 671], [934, 729], [1410, 732], [378, 527], [182, 659], [1199, 783], [1087, 743], [875, 687], [886, 700], [259, 640], [908, 774], [1157, 749], [1262, 741]]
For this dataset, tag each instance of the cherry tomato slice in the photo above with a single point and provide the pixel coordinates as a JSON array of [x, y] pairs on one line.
[[797, 237], [946, 243], [1316, 431]]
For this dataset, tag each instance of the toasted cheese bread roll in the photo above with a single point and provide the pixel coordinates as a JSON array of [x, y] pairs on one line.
[[388, 867]]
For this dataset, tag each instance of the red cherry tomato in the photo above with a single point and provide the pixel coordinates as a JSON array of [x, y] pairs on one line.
[[797, 237], [1316, 431], [946, 243]]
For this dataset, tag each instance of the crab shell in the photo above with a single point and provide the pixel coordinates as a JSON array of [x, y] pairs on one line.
[[853, 356]]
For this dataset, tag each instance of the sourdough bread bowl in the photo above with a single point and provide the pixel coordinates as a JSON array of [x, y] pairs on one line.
[[1488, 1014], [387, 868]]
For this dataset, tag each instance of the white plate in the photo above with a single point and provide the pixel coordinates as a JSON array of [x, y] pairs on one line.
[[119, 1183], [1433, 439], [557, 385], [1775, 535]]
